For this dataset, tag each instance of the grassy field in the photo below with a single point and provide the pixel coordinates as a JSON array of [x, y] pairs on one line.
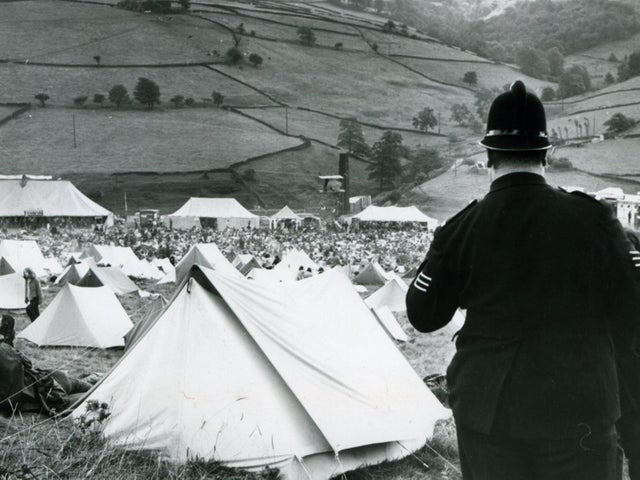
[[618, 157], [326, 128], [131, 141], [489, 75], [22, 82], [362, 84], [64, 32]]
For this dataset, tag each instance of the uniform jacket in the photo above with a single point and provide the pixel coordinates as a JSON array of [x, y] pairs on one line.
[[543, 275]]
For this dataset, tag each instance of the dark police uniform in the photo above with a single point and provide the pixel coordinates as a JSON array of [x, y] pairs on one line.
[[544, 275]]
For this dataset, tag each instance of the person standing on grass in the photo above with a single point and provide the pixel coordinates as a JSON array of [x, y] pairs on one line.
[[32, 293], [545, 276]]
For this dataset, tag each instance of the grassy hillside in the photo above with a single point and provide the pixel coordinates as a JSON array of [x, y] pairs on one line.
[[129, 141]]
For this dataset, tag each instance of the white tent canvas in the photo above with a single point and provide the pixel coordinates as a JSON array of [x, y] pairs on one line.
[[74, 272], [228, 212], [269, 376], [372, 274], [80, 317], [388, 320], [12, 291], [392, 294], [205, 254], [111, 277], [394, 214], [292, 261], [23, 253], [50, 198], [126, 259]]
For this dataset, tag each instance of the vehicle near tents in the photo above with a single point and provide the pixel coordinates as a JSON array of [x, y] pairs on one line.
[[246, 374]]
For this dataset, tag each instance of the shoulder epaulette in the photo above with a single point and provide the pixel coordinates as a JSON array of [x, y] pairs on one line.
[[457, 216]]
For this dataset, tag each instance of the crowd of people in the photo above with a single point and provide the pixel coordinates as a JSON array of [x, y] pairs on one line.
[[397, 247]]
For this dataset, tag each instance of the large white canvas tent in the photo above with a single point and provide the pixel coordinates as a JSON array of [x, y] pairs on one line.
[[372, 274], [111, 277], [226, 212], [80, 317], [12, 291], [205, 254], [285, 214], [392, 294], [394, 214], [255, 375], [292, 261], [27, 197]]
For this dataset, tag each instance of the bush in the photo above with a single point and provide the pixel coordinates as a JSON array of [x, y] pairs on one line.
[[79, 101], [338, 46], [306, 35], [233, 55], [189, 102], [255, 59]]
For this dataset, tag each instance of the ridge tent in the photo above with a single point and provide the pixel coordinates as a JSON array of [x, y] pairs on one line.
[[80, 317], [247, 267], [126, 259], [205, 254], [217, 212], [372, 274], [23, 253], [5, 267], [241, 259], [394, 214], [292, 261], [151, 311], [388, 321], [12, 291], [74, 272], [392, 294], [43, 199], [259, 368], [111, 277]]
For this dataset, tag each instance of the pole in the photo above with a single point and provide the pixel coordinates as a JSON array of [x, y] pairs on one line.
[[74, 130], [438, 122], [125, 207], [286, 119]]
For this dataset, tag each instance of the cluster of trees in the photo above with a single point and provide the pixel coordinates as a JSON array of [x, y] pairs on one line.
[[473, 118], [619, 123], [234, 56], [630, 67], [388, 154], [306, 35], [573, 81]]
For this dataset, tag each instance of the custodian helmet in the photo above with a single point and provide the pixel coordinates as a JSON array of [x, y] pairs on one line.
[[516, 122]]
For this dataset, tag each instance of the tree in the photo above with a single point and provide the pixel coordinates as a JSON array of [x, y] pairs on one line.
[[185, 4], [484, 98], [548, 94], [424, 160], [79, 101], [619, 123], [350, 137], [374, 46], [608, 78], [338, 46], [177, 100], [532, 62], [97, 58], [147, 92], [470, 77], [240, 28], [255, 59], [630, 68], [461, 114], [42, 97], [118, 95], [389, 26], [425, 119], [556, 62], [189, 102], [574, 81], [217, 98], [386, 155], [233, 55], [99, 98], [306, 35]]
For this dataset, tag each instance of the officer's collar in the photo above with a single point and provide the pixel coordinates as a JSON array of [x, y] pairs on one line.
[[515, 179]]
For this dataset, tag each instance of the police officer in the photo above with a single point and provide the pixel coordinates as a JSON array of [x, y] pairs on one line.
[[544, 275]]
